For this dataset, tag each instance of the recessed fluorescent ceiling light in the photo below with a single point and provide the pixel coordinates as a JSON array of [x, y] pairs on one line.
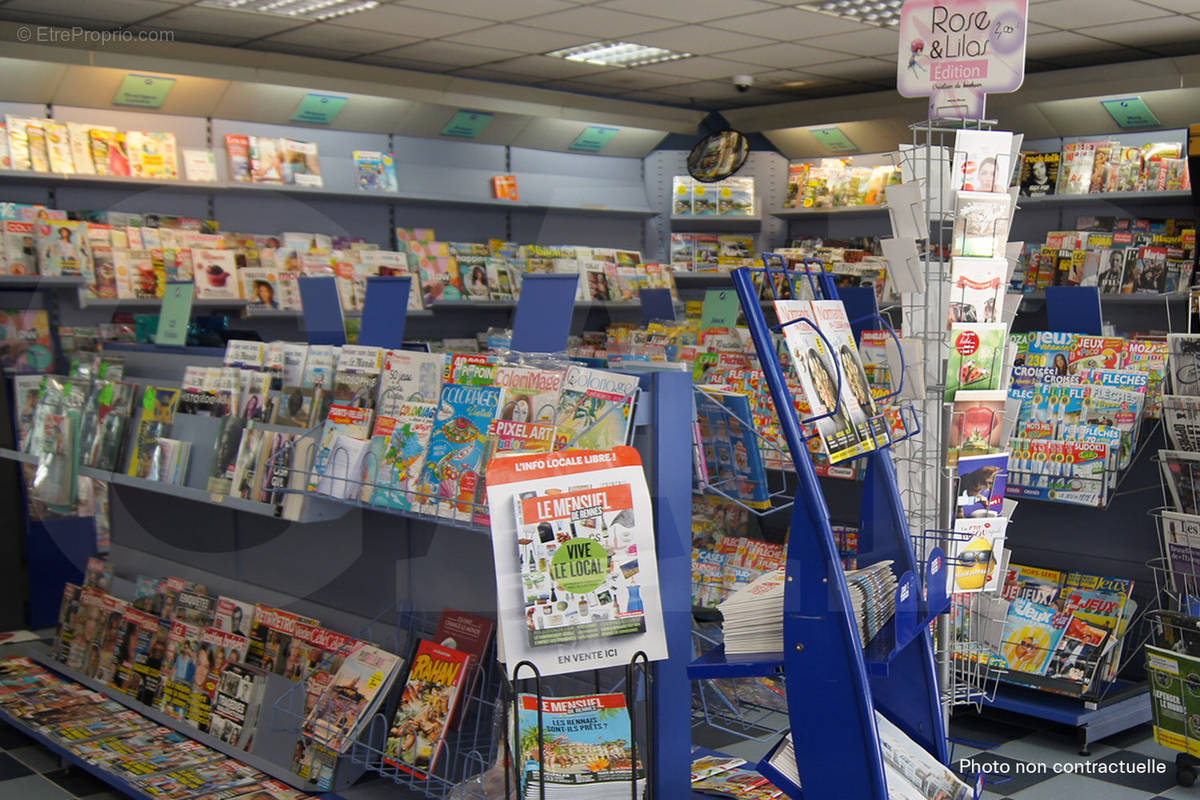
[[297, 9], [618, 54], [872, 12]]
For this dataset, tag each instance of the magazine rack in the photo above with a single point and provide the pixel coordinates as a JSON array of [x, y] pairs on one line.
[[832, 686]]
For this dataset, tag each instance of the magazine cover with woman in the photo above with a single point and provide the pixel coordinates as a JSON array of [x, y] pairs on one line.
[[577, 577]]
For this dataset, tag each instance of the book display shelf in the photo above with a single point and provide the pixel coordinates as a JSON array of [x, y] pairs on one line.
[[384, 574]]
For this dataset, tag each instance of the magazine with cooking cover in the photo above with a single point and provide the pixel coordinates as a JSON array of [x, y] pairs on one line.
[[216, 651], [576, 572], [982, 161], [398, 446], [595, 409], [216, 274], [592, 737], [1031, 634], [981, 222], [977, 287], [842, 427], [359, 687], [455, 458], [974, 555], [1039, 173], [437, 678], [157, 415]]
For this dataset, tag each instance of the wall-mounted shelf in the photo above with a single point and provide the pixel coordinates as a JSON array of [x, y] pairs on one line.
[[1125, 299], [36, 282], [156, 302], [716, 223], [821, 212], [111, 181], [1106, 197]]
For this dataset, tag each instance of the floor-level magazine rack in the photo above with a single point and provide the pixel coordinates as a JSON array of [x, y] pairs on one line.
[[833, 686]]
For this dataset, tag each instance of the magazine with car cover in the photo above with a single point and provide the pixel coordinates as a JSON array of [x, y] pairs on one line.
[[577, 577], [1031, 634], [436, 679], [455, 459], [842, 426], [593, 754], [594, 409], [358, 689]]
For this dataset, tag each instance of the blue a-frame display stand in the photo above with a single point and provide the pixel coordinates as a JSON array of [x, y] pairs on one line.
[[833, 686]]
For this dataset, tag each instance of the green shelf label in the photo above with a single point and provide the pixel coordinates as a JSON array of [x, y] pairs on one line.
[[144, 91], [594, 138], [467, 124], [1130, 112], [175, 314], [720, 309], [319, 109]]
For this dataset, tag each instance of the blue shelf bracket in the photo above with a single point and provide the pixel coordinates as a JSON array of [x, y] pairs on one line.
[[385, 311]]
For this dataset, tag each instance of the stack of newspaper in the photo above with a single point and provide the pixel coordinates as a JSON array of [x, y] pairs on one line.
[[873, 596], [753, 616], [911, 772]]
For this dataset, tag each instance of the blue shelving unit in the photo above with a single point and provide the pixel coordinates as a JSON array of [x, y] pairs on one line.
[[833, 687]]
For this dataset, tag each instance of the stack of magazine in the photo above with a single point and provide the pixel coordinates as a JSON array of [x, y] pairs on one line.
[[753, 617]]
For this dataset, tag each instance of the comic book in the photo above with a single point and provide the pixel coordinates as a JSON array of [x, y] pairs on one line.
[[455, 458], [359, 687], [436, 679]]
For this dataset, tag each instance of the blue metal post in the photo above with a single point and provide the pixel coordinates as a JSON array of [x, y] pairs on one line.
[[385, 310], [542, 320], [323, 323]]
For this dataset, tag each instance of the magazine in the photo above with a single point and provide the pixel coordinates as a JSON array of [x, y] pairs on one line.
[[63, 248], [141, 648], [582, 728], [436, 680], [398, 446], [469, 634], [1031, 634], [1181, 550], [731, 447], [237, 704], [976, 357], [842, 426], [1039, 173], [595, 409], [375, 171], [179, 669], [359, 686], [217, 651], [454, 461], [575, 564], [408, 377], [158, 412]]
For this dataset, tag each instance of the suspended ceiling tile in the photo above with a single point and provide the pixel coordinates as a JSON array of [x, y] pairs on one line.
[[502, 11], [547, 68], [1037, 27], [1148, 33], [784, 55], [1069, 13], [700, 39], [624, 80], [123, 11], [690, 10], [791, 24], [709, 90], [193, 37], [655, 96], [488, 73], [460, 55], [856, 69], [598, 23], [702, 67], [1050, 46], [875, 42], [273, 46], [241, 24], [520, 37], [1113, 54], [381, 60], [1179, 6], [322, 34], [409, 21]]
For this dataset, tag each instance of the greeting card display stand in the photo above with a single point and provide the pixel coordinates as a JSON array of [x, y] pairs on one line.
[[833, 687]]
